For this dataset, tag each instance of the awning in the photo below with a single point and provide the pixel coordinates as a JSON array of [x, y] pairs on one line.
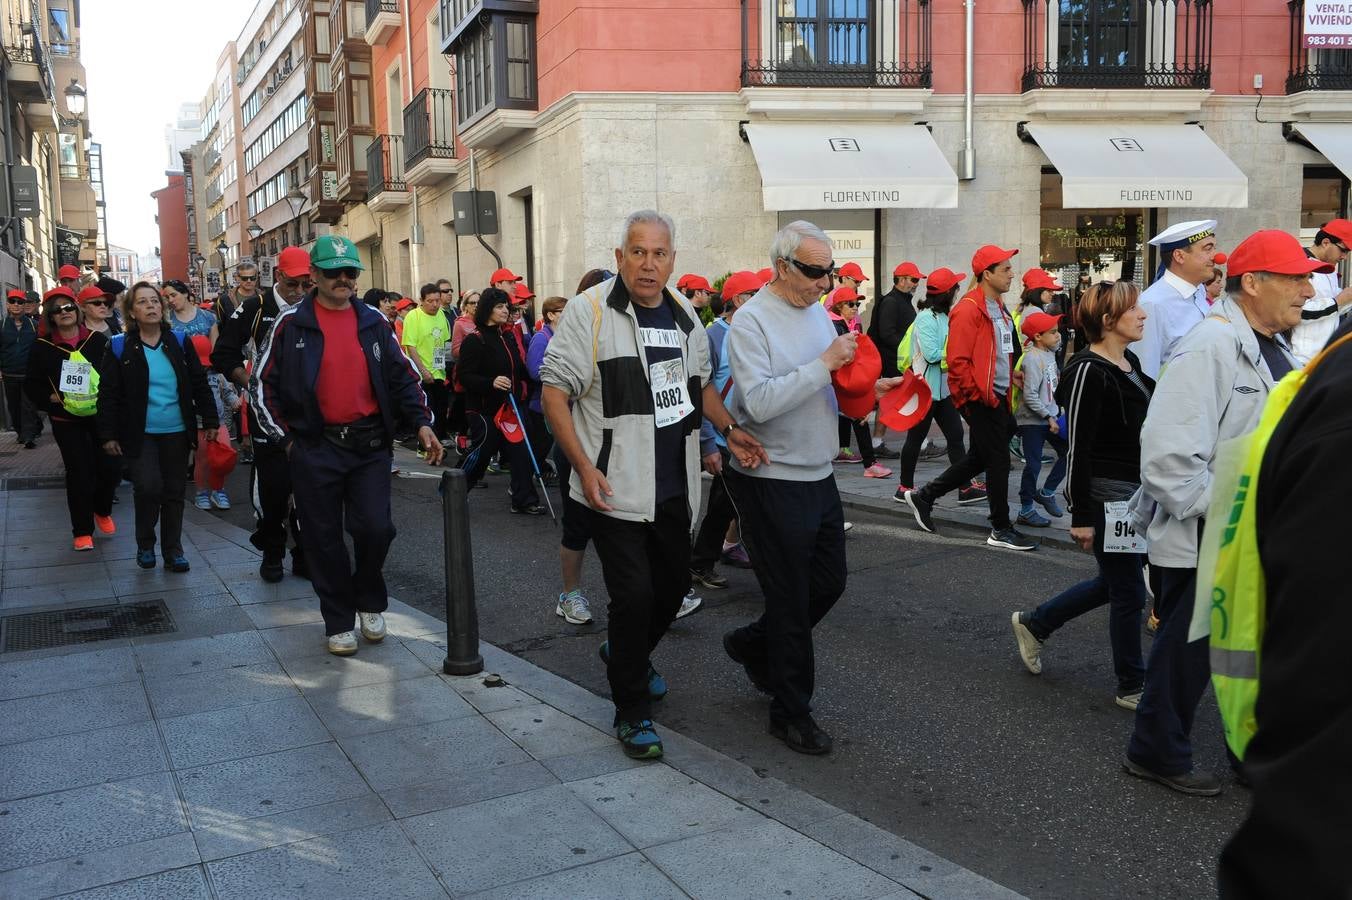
[[1334, 141], [1133, 164], [808, 165]]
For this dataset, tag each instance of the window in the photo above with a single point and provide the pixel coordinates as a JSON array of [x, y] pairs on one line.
[[361, 101], [59, 20], [812, 33], [252, 105], [474, 74], [288, 123], [356, 20], [520, 59], [1323, 197], [1101, 33], [495, 66], [1103, 244], [68, 156]]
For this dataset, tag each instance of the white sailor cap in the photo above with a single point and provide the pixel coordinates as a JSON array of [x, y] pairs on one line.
[[1185, 233]]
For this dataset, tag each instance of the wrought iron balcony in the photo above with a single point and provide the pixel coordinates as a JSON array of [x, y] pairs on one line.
[[385, 169], [382, 18], [851, 43], [1116, 44], [429, 127], [1315, 68]]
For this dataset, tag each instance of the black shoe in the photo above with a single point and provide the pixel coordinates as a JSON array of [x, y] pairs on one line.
[[30, 445], [530, 509], [708, 578], [971, 494], [299, 567], [1010, 539], [1195, 784], [802, 735], [882, 451], [922, 509], [759, 678], [271, 569]]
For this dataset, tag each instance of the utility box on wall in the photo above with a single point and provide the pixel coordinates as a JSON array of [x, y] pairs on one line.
[[476, 212]]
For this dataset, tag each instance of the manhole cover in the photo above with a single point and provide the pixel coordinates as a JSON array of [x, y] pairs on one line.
[[59, 628], [34, 482]]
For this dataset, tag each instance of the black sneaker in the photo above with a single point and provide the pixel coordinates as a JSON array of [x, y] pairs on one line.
[[1195, 784], [759, 678], [1010, 539], [708, 578], [922, 509], [530, 509], [882, 451], [802, 735], [271, 569], [970, 494]]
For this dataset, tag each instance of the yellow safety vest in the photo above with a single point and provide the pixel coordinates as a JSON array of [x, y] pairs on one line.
[[1237, 583]]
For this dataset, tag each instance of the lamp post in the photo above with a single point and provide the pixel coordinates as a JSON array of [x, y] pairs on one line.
[[295, 199], [222, 248], [198, 262], [75, 102], [255, 231]]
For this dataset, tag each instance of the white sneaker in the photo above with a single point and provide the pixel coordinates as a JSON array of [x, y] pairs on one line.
[[690, 604], [344, 644], [1128, 701], [372, 626], [574, 608], [1030, 648], [848, 526]]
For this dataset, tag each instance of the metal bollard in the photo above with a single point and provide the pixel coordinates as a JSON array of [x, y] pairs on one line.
[[462, 616]]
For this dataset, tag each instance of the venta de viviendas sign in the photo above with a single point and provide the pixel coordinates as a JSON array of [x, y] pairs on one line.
[[1328, 23]]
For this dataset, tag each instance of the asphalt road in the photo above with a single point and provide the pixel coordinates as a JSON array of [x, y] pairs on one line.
[[941, 736]]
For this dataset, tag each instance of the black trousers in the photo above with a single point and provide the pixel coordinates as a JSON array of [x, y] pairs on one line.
[[23, 418], [845, 427], [950, 423], [646, 567], [91, 474], [795, 533], [439, 401], [159, 478], [991, 428], [270, 489], [336, 489], [721, 511], [489, 440]]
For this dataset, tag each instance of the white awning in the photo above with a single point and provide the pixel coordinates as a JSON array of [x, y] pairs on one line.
[[809, 165], [1332, 140], [1135, 164]]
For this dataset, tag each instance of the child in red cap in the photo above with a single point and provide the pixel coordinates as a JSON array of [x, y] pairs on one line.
[[1039, 419], [208, 472]]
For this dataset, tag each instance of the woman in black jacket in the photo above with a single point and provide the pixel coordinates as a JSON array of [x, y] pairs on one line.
[[61, 382], [1105, 395], [490, 369], [151, 397]]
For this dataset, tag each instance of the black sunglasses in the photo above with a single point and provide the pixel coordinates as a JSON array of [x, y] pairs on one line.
[[349, 273], [850, 303], [814, 272], [16, 299], [96, 303], [247, 277], [65, 308]]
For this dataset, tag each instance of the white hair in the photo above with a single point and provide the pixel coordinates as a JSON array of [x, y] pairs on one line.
[[246, 266], [789, 238], [647, 217]]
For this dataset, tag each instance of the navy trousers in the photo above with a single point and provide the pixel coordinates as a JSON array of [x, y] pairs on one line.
[[1175, 679], [337, 489]]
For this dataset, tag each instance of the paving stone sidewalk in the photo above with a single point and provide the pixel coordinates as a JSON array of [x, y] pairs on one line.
[[235, 757]]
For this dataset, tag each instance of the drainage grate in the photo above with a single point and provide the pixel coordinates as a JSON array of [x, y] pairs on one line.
[[59, 628], [33, 483]]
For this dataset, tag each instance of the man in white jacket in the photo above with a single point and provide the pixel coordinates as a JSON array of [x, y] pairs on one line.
[[1212, 390]]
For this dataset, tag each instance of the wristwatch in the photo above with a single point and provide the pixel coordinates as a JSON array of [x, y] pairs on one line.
[[727, 429]]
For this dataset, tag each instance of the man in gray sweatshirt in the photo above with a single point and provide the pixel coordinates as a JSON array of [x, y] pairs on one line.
[[782, 350]]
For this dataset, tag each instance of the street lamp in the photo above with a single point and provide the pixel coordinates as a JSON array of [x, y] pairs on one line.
[[254, 229], [295, 199], [199, 263], [75, 102], [222, 248]]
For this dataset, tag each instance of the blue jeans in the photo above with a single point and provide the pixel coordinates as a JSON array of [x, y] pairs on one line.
[[1119, 584], [1033, 437]]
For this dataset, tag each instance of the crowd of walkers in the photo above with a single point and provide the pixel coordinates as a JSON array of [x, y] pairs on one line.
[[620, 396]]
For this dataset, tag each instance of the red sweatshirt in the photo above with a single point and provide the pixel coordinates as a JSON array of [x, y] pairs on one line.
[[971, 350]]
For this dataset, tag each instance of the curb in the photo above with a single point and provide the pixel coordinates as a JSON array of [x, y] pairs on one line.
[[973, 522]]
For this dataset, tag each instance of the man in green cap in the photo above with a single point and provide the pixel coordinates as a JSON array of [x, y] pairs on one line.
[[332, 386]]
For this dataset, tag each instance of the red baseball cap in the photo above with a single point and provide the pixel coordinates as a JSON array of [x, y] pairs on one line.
[[696, 283], [844, 294], [683, 281], [68, 272], [61, 291], [766, 275], [503, 275], [854, 381], [1273, 251], [522, 294], [852, 270], [91, 292], [1339, 228], [1038, 322], [942, 279], [293, 262], [405, 303], [903, 407], [1040, 279], [907, 268], [744, 282], [16, 294], [990, 255]]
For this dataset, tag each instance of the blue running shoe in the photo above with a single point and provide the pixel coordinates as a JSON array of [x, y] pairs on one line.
[[657, 685], [1031, 517], [639, 739], [178, 564], [145, 559], [1048, 502]]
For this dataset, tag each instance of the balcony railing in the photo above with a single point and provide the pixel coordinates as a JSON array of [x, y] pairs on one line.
[[429, 127], [385, 165], [213, 194], [376, 7], [1117, 44], [849, 43], [1315, 68], [30, 47]]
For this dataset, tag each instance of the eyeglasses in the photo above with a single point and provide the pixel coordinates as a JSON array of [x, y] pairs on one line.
[[1341, 246], [851, 304], [96, 303], [65, 308], [247, 277], [16, 300], [349, 272], [816, 273]]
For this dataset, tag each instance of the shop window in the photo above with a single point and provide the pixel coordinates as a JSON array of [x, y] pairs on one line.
[[1323, 196], [1100, 244]]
